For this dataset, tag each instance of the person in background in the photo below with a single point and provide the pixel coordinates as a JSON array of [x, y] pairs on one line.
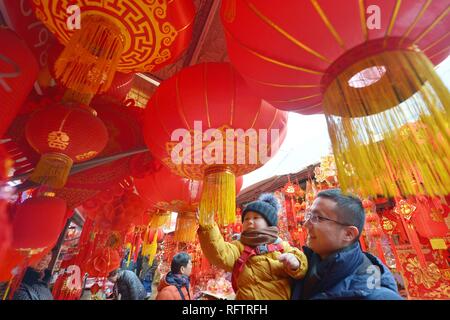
[[35, 282], [127, 285], [176, 285]]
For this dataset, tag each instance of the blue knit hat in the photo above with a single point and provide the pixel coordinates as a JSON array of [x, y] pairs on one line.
[[267, 206]]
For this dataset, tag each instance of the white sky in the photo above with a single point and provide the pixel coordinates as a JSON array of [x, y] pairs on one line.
[[307, 141]]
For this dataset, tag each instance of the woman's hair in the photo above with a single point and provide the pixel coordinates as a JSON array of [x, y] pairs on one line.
[[179, 260]]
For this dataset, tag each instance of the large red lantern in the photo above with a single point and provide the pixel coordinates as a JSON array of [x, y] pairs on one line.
[[210, 102], [63, 135], [37, 223], [127, 36], [18, 71], [368, 67]]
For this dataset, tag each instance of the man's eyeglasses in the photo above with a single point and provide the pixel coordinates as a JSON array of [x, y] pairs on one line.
[[314, 219]]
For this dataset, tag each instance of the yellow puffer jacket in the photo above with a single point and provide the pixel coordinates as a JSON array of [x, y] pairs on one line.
[[263, 277]]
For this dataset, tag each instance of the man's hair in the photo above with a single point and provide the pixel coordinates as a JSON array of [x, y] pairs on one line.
[[113, 273], [350, 208], [179, 260]]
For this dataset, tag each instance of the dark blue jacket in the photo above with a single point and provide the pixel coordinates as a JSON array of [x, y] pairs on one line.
[[34, 286], [347, 274]]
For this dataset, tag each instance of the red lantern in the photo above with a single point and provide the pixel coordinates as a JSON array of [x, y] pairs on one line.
[[18, 71], [37, 223], [63, 135], [359, 63], [166, 191], [307, 37], [124, 36], [124, 134], [211, 96]]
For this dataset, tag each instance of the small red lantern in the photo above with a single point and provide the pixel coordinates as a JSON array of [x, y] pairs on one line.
[[63, 135], [37, 223]]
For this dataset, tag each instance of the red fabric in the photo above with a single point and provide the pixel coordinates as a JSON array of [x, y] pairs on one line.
[[315, 48], [86, 132], [19, 15], [37, 222], [18, 71]]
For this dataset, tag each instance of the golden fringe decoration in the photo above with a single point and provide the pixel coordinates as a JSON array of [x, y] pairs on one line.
[[159, 219], [89, 61], [52, 170], [150, 249], [392, 136], [186, 229], [218, 196]]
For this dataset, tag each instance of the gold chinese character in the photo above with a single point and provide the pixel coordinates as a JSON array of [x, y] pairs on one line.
[[58, 140]]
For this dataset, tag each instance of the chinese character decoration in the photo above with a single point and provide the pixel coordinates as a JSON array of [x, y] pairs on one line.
[[405, 211]]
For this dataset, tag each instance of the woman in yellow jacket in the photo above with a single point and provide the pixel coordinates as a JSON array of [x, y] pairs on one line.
[[263, 265]]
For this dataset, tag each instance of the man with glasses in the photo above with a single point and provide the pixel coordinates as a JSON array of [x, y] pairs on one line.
[[338, 269]]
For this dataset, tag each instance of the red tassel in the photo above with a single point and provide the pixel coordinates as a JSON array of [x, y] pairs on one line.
[[415, 242]]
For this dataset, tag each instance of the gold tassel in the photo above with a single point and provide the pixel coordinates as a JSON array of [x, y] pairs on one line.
[[152, 249], [74, 96], [186, 228], [218, 196], [160, 219], [52, 170], [89, 61], [390, 132]]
